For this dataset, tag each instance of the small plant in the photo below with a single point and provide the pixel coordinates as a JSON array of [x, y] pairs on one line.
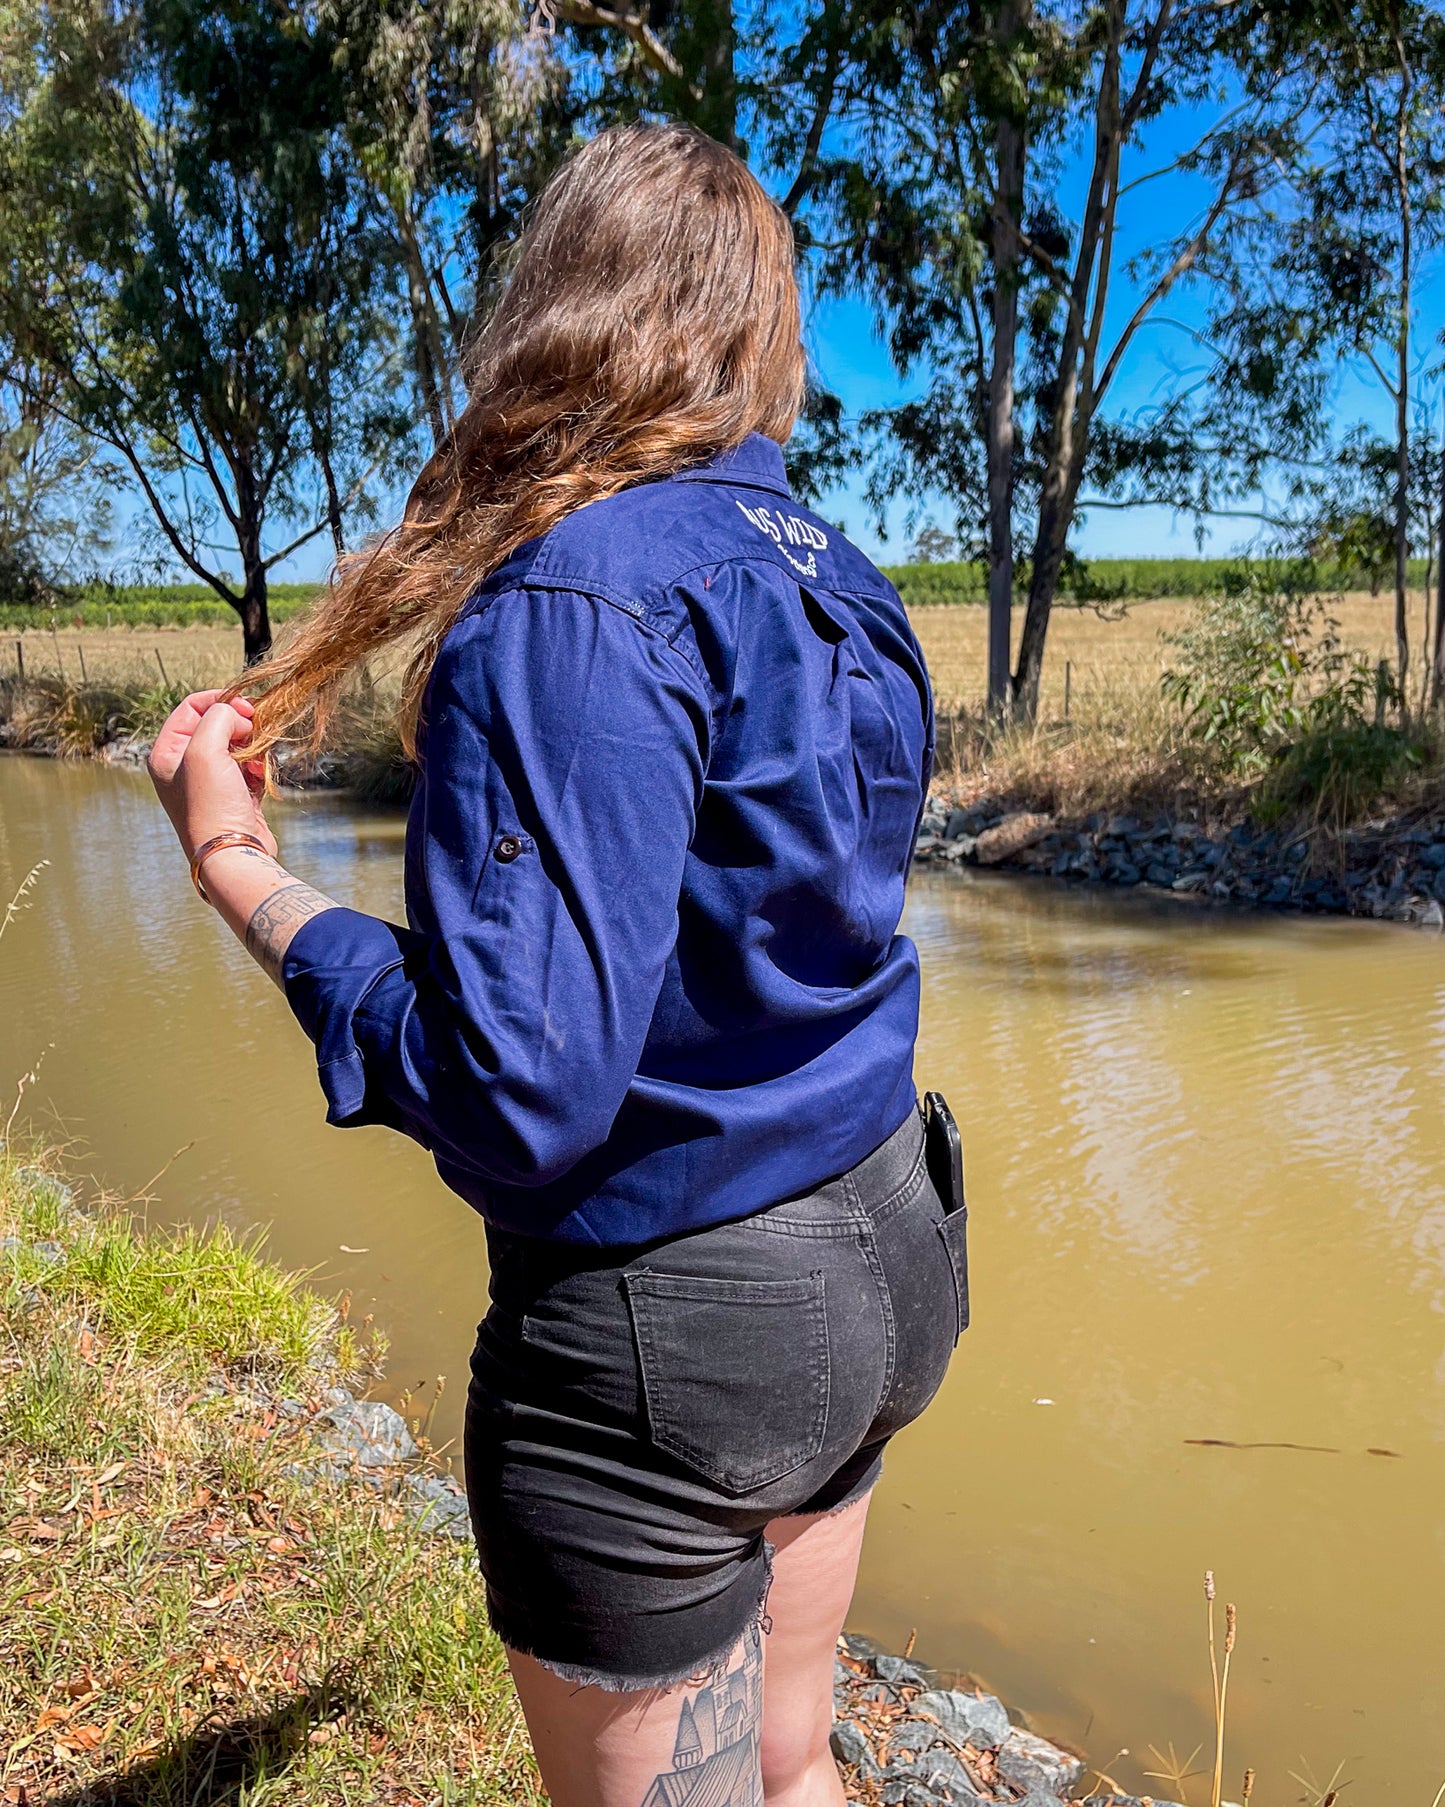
[[1264, 665], [146, 709], [1337, 774], [1264, 677]]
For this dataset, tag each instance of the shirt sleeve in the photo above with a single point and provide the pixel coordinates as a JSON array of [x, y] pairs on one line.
[[564, 754]]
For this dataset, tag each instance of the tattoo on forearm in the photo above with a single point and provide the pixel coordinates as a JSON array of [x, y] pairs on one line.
[[276, 920], [716, 1751]]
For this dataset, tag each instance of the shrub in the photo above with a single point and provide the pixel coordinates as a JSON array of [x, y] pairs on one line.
[[1263, 666], [1337, 774]]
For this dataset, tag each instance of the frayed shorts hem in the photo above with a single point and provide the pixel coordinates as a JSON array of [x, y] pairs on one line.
[[705, 1669]]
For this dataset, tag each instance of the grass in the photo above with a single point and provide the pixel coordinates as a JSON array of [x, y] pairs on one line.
[[1105, 740], [145, 605], [950, 583], [183, 1616]]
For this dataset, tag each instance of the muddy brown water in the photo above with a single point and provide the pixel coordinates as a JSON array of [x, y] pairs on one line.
[[1207, 1180]]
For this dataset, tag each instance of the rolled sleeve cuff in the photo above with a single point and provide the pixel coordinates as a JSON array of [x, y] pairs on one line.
[[333, 963]]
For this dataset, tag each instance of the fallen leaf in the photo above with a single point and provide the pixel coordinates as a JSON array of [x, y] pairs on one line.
[[50, 1533], [109, 1474]]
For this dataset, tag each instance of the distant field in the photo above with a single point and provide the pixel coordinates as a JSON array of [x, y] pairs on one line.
[[1107, 654], [1104, 580], [148, 605], [1101, 652]]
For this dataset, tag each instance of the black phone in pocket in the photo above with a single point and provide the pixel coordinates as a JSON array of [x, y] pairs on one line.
[[943, 1156], [943, 1151]]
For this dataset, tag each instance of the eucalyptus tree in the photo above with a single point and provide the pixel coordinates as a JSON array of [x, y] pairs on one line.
[[457, 111], [1354, 252], [945, 197], [193, 267], [56, 518]]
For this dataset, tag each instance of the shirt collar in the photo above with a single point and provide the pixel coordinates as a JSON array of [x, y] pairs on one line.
[[757, 463]]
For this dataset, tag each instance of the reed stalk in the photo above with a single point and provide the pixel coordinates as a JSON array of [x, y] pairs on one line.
[[1221, 1693]]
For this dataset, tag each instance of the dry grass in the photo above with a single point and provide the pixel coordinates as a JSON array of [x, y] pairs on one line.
[[183, 1617], [1121, 747], [193, 658], [1108, 652]]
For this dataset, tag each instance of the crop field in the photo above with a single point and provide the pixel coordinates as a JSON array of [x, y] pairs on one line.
[[1092, 651]]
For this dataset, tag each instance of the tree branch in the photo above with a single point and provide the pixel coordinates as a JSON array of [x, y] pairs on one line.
[[632, 25]]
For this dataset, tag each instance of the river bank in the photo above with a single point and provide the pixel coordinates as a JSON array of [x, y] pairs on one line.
[[217, 1561], [1213, 852], [214, 1578], [1392, 870]]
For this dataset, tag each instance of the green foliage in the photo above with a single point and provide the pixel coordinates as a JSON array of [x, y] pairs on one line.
[[144, 605], [1263, 677], [192, 263], [1337, 774], [200, 1299], [1263, 667], [1100, 580]]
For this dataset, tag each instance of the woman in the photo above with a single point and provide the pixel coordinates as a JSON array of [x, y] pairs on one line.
[[651, 1015]]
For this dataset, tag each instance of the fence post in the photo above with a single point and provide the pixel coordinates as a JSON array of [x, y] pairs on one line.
[[80, 653], [1068, 685], [161, 662], [20, 658]]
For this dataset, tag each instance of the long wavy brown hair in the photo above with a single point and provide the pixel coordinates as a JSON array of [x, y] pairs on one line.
[[650, 320]]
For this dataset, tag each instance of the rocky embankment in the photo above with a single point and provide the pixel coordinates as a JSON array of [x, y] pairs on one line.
[[901, 1740], [1393, 870]]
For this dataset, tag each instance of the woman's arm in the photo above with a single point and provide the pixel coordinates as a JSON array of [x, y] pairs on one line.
[[206, 793]]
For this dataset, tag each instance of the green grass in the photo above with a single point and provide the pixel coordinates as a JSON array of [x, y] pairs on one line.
[[1089, 580], [1104, 580], [147, 605], [183, 1614]]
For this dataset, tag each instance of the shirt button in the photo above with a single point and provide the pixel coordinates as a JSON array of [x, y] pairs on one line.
[[508, 848]]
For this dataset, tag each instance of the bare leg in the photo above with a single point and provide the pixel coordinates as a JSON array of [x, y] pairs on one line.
[[756, 1734], [814, 1567], [598, 1749]]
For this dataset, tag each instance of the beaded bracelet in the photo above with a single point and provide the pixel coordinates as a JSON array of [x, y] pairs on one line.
[[231, 838]]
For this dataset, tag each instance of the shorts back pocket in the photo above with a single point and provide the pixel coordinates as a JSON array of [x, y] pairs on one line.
[[735, 1372], [954, 1231]]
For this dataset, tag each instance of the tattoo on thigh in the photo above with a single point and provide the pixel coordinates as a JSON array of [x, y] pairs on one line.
[[276, 920], [715, 1758]]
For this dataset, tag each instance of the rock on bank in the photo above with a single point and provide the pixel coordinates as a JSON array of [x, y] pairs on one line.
[[1393, 870]]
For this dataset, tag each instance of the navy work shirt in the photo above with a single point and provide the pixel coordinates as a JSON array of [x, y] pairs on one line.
[[674, 756]]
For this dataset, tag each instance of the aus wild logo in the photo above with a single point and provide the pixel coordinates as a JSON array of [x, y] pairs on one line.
[[787, 530]]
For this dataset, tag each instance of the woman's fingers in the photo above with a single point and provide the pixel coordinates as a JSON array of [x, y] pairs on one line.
[[182, 722]]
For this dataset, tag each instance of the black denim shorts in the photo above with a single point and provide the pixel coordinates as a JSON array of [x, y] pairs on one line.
[[637, 1416]]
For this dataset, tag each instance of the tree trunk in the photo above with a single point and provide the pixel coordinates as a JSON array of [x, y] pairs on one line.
[[432, 372], [1056, 514], [1402, 407], [1075, 395], [1402, 509], [1437, 656], [1008, 200], [254, 612], [333, 501], [720, 85]]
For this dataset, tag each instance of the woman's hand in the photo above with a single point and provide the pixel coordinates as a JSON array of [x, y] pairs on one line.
[[201, 787]]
